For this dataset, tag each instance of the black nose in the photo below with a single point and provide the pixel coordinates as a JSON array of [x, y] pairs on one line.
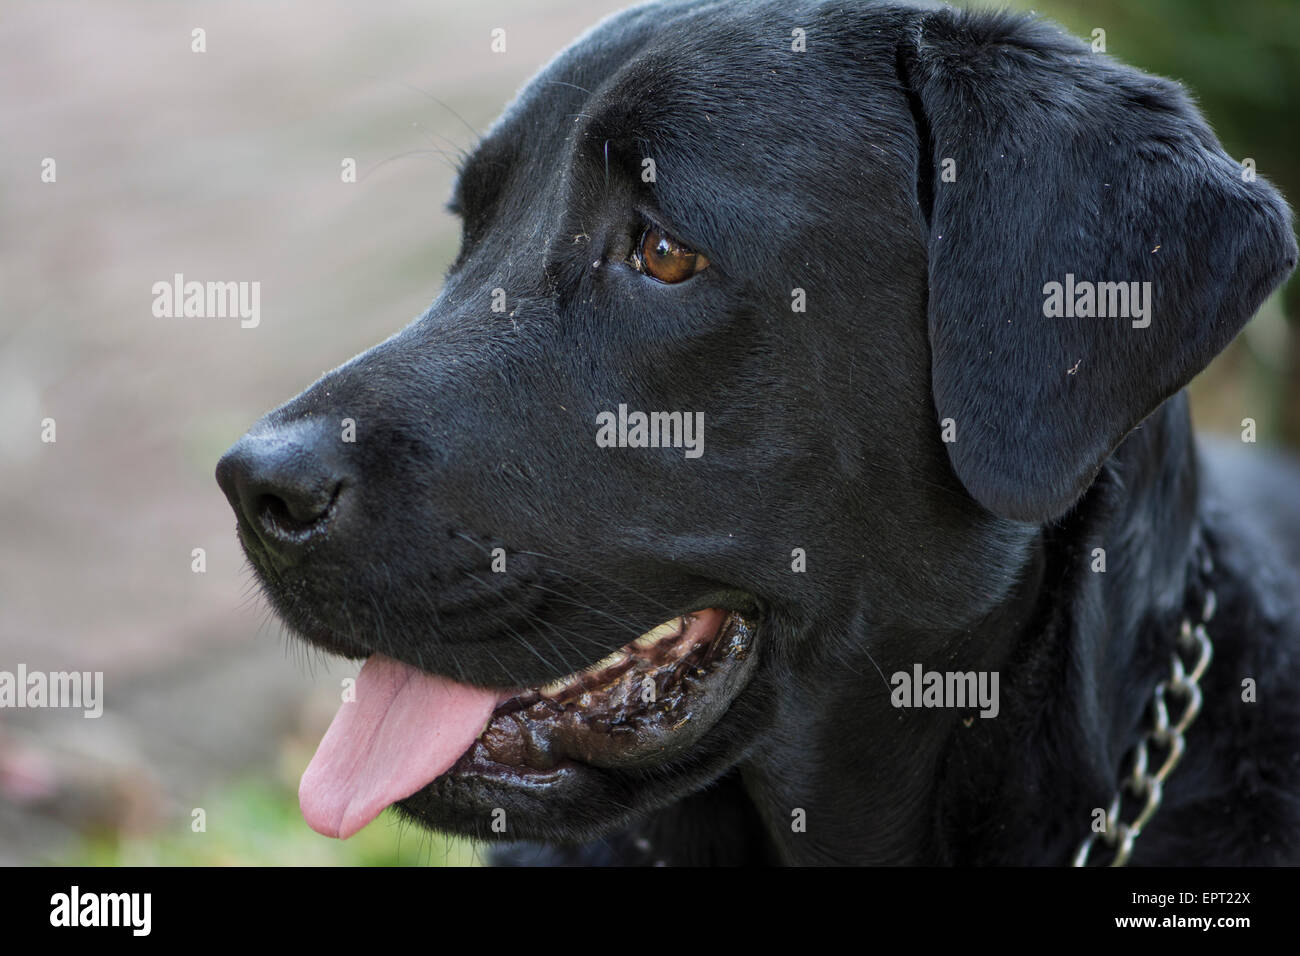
[[285, 484]]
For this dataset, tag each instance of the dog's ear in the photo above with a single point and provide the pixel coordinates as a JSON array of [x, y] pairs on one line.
[[1042, 162]]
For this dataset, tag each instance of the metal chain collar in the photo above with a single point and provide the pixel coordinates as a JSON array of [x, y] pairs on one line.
[[1164, 736]]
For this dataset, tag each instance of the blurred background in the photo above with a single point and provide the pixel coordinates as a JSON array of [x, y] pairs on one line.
[[226, 165]]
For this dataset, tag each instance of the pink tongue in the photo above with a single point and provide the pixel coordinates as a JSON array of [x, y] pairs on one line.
[[403, 730]]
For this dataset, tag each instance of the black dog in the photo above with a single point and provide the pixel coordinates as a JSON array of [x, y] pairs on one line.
[[924, 566]]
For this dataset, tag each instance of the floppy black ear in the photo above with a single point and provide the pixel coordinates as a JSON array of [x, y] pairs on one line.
[[1047, 163]]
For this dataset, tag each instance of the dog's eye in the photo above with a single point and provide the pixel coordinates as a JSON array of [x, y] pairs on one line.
[[662, 257]]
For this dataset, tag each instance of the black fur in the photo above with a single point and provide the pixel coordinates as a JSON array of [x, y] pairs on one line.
[[823, 170]]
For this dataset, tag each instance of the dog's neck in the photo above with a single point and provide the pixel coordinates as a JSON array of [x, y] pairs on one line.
[[1077, 649], [1078, 680]]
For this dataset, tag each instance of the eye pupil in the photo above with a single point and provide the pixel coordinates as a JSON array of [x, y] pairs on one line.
[[665, 259]]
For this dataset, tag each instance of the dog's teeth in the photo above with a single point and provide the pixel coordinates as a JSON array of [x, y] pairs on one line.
[[556, 687], [559, 686], [618, 657], [651, 638]]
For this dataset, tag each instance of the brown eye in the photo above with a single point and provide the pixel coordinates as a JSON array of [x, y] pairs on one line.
[[664, 258]]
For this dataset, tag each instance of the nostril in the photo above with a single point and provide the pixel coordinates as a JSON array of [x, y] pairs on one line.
[[292, 517]]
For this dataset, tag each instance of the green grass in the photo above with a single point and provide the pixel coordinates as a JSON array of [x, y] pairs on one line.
[[258, 824]]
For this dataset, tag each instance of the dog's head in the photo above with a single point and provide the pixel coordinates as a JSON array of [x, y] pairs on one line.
[[751, 357]]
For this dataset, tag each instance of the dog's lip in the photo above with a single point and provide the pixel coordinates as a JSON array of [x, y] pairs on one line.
[[601, 716]]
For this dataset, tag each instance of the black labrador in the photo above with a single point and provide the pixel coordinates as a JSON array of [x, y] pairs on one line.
[[794, 467]]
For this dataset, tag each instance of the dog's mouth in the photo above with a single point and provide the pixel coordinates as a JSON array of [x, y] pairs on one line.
[[643, 705], [634, 705]]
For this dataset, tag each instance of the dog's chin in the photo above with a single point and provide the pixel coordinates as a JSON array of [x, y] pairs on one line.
[[576, 759]]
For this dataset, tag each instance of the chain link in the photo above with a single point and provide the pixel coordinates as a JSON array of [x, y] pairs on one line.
[[1165, 736]]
